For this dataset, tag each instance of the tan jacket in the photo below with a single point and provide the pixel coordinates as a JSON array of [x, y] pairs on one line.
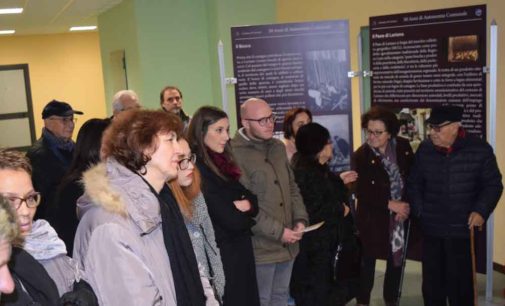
[[266, 172]]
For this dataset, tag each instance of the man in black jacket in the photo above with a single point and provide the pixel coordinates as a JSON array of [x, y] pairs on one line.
[[51, 155], [453, 187]]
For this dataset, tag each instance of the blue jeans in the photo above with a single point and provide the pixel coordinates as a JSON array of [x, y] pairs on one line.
[[273, 282]]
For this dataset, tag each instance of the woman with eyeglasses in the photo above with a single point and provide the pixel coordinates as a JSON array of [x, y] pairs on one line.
[[293, 120], [131, 239], [40, 241], [188, 195], [231, 206], [383, 164]]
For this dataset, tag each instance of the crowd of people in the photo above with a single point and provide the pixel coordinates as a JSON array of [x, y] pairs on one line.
[[154, 207]]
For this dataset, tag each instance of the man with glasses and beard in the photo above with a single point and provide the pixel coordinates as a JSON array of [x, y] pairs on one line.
[[453, 187], [282, 216], [51, 155]]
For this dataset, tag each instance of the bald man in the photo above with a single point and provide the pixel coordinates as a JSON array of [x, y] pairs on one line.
[[282, 216]]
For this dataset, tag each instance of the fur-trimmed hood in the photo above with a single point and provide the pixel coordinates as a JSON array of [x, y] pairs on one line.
[[119, 191]]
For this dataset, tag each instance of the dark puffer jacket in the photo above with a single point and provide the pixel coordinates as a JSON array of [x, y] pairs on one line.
[[444, 188]]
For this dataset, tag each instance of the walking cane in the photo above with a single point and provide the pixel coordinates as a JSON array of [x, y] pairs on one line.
[[474, 268], [404, 262]]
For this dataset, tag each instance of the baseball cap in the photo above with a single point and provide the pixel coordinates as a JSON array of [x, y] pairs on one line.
[[59, 108]]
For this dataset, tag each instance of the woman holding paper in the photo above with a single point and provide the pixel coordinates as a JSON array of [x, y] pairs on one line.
[[324, 195]]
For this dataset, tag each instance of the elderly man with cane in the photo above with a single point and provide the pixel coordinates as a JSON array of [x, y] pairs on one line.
[[453, 187]]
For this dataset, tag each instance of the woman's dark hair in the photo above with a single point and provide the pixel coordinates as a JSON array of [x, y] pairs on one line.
[[133, 132], [311, 140], [87, 148], [382, 114], [289, 117], [198, 127]]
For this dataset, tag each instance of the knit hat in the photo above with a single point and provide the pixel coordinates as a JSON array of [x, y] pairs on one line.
[[311, 139]]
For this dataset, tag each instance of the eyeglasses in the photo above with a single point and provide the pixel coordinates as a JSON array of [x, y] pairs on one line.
[[437, 128], [32, 200], [265, 120], [64, 120], [374, 133], [184, 163]]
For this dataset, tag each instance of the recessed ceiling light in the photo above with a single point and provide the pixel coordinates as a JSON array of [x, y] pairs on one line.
[[5, 32], [15, 10], [85, 28]]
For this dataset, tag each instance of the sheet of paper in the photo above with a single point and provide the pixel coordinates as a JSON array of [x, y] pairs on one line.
[[313, 227]]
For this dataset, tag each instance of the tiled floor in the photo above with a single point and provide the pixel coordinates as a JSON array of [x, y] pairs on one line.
[[411, 295]]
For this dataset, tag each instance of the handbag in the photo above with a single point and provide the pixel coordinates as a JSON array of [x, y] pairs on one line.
[[347, 259]]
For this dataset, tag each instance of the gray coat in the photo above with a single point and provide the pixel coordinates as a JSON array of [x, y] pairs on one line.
[[266, 173], [119, 240], [64, 272]]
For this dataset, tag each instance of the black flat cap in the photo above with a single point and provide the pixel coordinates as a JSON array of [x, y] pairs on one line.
[[441, 114]]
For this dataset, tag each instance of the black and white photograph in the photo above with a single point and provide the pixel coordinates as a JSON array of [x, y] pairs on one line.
[[327, 82]]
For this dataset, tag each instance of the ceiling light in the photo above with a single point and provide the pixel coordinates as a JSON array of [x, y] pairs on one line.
[[16, 10], [85, 28], [4, 32]]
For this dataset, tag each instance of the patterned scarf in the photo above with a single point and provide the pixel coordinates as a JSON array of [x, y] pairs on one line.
[[396, 228]]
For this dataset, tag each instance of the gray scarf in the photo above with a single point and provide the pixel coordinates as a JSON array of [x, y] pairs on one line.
[[43, 242]]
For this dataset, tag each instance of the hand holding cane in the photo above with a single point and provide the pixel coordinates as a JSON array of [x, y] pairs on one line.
[[474, 220]]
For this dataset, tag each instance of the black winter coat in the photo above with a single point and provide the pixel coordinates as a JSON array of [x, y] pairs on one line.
[[233, 236], [40, 289], [62, 212], [444, 188], [47, 173], [323, 195]]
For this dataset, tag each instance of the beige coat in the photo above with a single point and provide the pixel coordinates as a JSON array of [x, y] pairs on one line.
[[266, 172]]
